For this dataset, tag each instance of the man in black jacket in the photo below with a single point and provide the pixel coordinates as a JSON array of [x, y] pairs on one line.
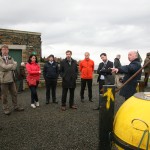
[[50, 73], [105, 76], [69, 73], [104, 70]]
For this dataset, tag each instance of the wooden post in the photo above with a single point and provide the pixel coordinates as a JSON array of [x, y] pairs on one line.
[[106, 116]]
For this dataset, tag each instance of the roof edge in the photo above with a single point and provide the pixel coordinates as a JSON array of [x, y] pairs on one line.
[[19, 31]]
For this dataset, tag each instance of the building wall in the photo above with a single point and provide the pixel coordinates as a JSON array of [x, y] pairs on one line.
[[29, 42]]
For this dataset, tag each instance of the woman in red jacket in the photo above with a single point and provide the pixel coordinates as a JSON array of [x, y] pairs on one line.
[[33, 76]]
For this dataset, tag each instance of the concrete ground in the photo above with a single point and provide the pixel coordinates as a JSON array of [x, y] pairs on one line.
[[49, 128]]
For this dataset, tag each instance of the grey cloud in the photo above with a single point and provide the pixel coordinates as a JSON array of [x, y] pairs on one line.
[[116, 24]]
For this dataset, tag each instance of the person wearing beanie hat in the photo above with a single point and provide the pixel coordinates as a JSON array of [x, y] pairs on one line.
[[50, 73], [51, 56]]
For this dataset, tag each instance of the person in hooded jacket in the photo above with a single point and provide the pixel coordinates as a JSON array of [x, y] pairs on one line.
[[33, 73], [50, 73]]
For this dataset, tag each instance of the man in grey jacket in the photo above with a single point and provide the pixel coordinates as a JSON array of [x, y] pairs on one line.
[[7, 68]]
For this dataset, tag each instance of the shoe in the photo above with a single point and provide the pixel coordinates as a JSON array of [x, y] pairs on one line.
[[63, 108], [37, 104], [55, 102], [82, 100], [47, 102], [33, 106], [90, 100], [73, 107], [96, 108], [7, 112], [18, 109]]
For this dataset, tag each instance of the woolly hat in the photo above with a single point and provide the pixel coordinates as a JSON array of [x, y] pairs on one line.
[[51, 56]]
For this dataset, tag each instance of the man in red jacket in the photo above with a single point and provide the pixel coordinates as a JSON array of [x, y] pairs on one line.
[[86, 68]]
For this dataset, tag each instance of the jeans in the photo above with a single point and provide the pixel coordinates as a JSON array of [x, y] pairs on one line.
[[34, 96]]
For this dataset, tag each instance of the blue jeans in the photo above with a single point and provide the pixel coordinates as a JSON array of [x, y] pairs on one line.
[[34, 96]]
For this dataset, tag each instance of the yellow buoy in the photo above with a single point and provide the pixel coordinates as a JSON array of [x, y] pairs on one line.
[[131, 126]]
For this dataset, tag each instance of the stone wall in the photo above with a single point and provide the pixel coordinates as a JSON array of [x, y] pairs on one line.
[[31, 41], [28, 42]]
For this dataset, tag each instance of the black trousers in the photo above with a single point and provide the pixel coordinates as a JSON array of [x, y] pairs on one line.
[[20, 86], [83, 85], [101, 83], [34, 96], [64, 96], [146, 78], [51, 86]]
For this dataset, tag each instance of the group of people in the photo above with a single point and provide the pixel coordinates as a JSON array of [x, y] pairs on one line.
[[68, 71]]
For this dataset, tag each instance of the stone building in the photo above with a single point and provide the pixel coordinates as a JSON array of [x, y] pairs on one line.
[[21, 43]]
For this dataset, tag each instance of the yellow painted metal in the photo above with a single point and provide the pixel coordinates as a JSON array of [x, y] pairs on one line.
[[131, 120], [110, 96]]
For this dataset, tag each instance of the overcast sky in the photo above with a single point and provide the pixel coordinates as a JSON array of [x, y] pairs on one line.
[[111, 26]]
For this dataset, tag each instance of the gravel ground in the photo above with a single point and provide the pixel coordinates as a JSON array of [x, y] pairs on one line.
[[49, 128]]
